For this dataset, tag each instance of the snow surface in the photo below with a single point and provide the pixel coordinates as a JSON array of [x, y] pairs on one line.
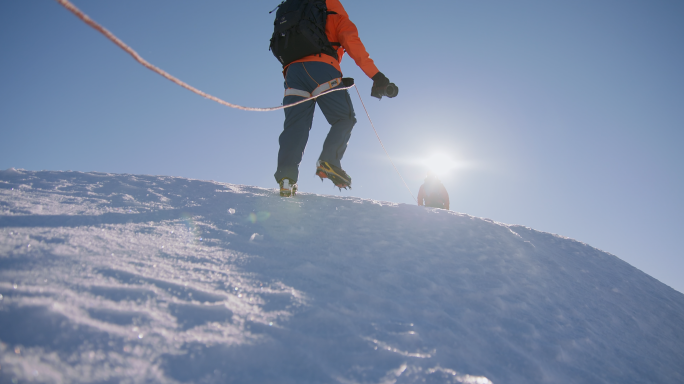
[[109, 278]]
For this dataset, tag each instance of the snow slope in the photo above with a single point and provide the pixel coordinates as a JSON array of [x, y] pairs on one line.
[[123, 278]]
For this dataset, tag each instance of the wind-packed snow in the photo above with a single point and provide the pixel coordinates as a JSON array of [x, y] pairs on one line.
[[109, 278]]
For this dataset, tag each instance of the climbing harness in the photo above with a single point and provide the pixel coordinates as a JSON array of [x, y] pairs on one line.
[[331, 86], [316, 92]]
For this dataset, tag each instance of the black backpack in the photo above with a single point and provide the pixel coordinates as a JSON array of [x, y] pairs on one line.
[[299, 31]]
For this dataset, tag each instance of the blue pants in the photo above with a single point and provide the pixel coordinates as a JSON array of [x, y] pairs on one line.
[[336, 107]]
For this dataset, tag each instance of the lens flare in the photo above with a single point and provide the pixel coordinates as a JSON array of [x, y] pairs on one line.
[[191, 232], [259, 216], [440, 164]]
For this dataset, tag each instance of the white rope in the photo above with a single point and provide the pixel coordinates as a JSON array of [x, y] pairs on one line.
[[383, 146], [73, 9]]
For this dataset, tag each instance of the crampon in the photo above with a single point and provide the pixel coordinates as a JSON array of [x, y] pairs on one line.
[[339, 177], [287, 188]]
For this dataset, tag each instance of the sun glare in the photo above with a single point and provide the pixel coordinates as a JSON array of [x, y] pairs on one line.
[[440, 164]]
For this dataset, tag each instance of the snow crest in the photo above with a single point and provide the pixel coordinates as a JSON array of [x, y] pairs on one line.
[[128, 278]]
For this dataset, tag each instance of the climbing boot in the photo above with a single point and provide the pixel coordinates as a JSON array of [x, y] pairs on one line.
[[287, 187], [339, 177]]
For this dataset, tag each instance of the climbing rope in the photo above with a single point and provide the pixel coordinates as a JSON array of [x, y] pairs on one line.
[[383, 146], [68, 5], [73, 9]]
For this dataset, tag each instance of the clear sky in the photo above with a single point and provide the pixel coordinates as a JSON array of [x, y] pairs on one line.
[[567, 117]]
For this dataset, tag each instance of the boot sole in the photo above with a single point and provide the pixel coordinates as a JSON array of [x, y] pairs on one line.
[[339, 181]]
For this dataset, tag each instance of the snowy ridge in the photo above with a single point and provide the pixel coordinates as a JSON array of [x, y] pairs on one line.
[[129, 278]]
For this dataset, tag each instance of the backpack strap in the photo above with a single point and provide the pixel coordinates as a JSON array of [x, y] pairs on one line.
[[334, 43]]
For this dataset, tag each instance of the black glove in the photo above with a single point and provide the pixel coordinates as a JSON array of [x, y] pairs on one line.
[[383, 87]]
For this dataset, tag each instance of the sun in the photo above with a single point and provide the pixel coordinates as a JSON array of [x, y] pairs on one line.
[[440, 164]]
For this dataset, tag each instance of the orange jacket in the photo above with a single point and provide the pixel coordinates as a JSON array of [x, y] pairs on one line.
[[433, 194], [340, 29]]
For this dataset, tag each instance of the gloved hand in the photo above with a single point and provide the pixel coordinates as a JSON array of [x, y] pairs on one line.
[[380, 87]]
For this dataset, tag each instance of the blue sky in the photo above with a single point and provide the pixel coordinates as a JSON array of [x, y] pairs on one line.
[[567, 117]]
